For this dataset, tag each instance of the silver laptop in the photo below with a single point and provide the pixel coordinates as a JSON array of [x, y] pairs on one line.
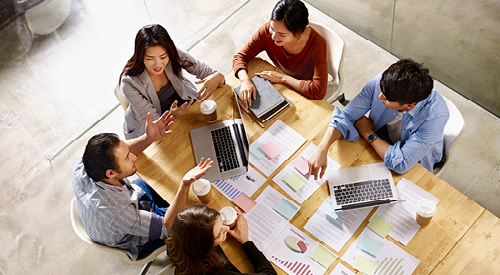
[[361, 187], [226, 143]]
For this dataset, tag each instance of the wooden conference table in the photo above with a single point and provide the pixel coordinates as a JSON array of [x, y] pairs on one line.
[[463, 237]]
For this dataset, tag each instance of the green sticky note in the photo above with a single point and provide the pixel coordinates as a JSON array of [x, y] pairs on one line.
[[294, 181], [323, 256], [365, 265], [380, 226]]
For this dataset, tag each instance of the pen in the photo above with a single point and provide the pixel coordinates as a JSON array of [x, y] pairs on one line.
[[367, 204]]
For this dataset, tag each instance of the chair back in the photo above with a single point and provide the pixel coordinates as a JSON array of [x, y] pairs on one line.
[[119, 95], [334, 54], [453, 128]]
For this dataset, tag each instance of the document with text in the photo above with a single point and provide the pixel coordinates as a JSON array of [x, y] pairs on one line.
[[276, 145], [336, 232], [402, 215], [247, 183], [310, 185]]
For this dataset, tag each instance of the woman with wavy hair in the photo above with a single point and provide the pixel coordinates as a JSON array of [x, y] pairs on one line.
[[193, 244], [152, 80]]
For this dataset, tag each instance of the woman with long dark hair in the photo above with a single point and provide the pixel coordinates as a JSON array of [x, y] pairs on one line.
[[194, 238], [152, 79], [295, 48]]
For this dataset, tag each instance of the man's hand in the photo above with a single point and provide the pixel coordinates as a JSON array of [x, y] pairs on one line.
[[181, 110], [317, 163], [364, 126], [210, 85], [198, 171], [273, 76], [156, 130], [240, 231]]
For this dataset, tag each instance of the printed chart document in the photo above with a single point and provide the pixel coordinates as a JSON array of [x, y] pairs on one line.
[[395, 257], [247, 183], [295, 253], [336, 232], [264, 223], [281, 136], [310, 185], [402, 215]]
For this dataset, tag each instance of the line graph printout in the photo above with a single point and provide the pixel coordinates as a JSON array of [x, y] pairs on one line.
[[311, 185], [285, 138], [291, 252], [336, 232], [247, 183], [390, 253]]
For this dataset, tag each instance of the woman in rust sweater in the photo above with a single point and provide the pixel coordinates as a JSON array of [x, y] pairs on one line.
[[295, 48]]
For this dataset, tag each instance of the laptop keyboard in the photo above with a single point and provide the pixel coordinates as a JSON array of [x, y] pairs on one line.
[[363, 191], [225, 149]]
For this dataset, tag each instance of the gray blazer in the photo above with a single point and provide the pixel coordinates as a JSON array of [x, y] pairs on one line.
[[140, 92]]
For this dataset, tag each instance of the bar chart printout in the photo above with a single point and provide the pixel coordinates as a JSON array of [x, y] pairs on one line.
[[291, 252]]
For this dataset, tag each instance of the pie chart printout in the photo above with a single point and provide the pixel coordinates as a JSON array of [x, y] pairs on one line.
[[295, 244]]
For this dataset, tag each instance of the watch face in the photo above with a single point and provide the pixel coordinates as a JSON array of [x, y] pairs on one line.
[[371, 137]]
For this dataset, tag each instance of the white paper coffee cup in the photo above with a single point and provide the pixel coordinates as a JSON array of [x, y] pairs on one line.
[[426, 209], [228, 216], [203, 189], [209, 109]]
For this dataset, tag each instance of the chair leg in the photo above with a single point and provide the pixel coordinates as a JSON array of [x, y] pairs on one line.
[[145, 268], [341, 99]]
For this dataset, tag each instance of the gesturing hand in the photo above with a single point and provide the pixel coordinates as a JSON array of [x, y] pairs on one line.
[[198, 171], [156, 130], [181, 110], [317, 164], [210, 84]]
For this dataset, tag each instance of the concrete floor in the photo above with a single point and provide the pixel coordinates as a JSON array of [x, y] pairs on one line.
[[64, 87]]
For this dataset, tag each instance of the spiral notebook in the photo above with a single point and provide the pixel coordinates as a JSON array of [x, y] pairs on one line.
[[268, 102]]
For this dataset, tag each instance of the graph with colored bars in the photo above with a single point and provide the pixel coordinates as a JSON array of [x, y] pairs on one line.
[[294, 267], [227, 188]]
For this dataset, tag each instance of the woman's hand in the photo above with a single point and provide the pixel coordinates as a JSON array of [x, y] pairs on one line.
[[247, 93], [273, 76], [210, 85], [181, 110], [240, 231], [198, 171]]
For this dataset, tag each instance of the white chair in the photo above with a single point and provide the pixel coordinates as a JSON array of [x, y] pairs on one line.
[[452, 131], [119, 95], [77, 224], [47, 16], [334, 54]]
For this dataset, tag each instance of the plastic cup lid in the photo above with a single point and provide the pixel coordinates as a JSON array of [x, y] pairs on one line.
[[426, 208], [201, 187], [208, 106]]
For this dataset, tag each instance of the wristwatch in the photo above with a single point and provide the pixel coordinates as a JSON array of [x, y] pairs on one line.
[[372, 137]]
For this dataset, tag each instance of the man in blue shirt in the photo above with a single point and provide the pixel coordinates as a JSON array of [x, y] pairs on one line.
[[110, 206], [405, 124]]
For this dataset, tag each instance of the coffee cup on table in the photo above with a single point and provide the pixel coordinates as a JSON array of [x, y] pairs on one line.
[[426, 209], [209, 109], [228, 216], [203, 189]]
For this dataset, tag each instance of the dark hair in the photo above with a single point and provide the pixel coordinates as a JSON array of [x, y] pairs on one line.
[[293, 13], [150, 36], [190, 242], [406, 81], [99, 156]]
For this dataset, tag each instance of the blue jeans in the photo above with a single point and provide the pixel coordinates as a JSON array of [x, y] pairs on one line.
[[159, 206]]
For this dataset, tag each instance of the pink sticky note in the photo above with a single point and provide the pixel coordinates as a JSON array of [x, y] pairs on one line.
[[244, 202], [270, 149], [301, 165]]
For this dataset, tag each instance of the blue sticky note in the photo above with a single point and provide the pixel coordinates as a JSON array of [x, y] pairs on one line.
[[286, 209], [256, 151], [327, 208], [370, 246]]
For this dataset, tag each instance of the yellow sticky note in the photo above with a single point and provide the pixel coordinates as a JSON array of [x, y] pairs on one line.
[[294, 181], [365, 265], [323, 256], [380, 226]]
